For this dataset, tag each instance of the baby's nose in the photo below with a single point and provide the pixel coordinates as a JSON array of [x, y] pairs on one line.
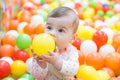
[[52, 33]]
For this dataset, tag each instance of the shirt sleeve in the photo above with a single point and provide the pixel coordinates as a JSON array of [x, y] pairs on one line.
[[37, 71], [71, 65]]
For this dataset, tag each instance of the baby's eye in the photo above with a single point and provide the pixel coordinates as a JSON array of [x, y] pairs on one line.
[[60, 30], [49, 27]]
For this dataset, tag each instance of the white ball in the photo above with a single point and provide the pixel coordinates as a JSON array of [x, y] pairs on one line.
[[29, 62], [106, 49], [22, 79], [21, 25], [88, 46], [98, 23], [12, 32], [36, 20], [117, 7], [109, 32], [8, 59]]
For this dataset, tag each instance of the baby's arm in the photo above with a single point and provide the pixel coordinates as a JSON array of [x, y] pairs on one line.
[[71, 65], [39, 68]]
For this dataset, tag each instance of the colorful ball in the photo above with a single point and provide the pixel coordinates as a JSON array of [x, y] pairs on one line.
[[8, 78], [87, 73], [7, 51], [27, 76], [23, 41], [20, 55], [88, 46], [18, 68], [42, 43], [5, 68]]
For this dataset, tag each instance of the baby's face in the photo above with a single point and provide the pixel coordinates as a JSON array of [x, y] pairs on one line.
[[61, 29]]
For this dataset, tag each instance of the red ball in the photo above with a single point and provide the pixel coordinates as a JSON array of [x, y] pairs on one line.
[[20, 55], [5, 69], [77, 43], [100, 38]]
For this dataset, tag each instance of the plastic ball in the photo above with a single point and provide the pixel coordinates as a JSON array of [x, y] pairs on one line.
[[7, 50], [29, 29], [112, 61], [39, 29], [106, 49], [18, 68], [13, 24], [28, 63], [5, 69], [42, 43], [100, 13], [117, 7], [81, 57], [20, 55], [109, 32], [109, 71], [27, 76], [24, 16], [102, 75], [36, 20], [100, 38], [9, 39], [87, 73], [116, 41], [95, 59], [23, 41], [77, 43], [8, 59], [110, 13], [8, 78], [88, 46], [117, 26], [85, 33], [21, 26], [12, 32]]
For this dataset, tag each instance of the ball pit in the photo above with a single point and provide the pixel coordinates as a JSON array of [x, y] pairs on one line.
[[98, 37]]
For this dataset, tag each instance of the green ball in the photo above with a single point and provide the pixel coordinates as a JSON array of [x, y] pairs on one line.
[[110, 13], [111, 4], [23, 41], [27, 76], [8, 78], [93, 4], [100, 13]]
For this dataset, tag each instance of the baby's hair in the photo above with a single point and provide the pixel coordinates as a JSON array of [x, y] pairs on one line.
[[66, 11]]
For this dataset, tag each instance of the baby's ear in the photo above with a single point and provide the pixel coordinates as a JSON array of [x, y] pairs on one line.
[[73, 37]]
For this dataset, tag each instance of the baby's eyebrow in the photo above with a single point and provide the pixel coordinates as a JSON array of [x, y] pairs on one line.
[[48, 23]]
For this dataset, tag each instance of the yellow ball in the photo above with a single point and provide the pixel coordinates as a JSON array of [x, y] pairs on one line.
[[102, 75], [87, 73], [18, 68], [118, 26], [42, 43]]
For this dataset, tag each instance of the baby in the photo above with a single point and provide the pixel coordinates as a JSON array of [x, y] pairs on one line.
[[62, 64]]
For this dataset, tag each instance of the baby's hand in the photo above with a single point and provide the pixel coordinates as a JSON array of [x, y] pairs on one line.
[[68, 78], [39, 60], [53, 59]]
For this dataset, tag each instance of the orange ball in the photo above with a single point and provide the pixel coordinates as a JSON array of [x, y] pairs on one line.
[[109, 71], [39, 29], [9, 39], [81, 58], [29, 29], [116, 41], [13, 24], [7, 50], [96, 60], [112, 61], [24, 16]]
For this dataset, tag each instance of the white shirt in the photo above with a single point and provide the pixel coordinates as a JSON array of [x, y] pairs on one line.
[[69, 68]]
